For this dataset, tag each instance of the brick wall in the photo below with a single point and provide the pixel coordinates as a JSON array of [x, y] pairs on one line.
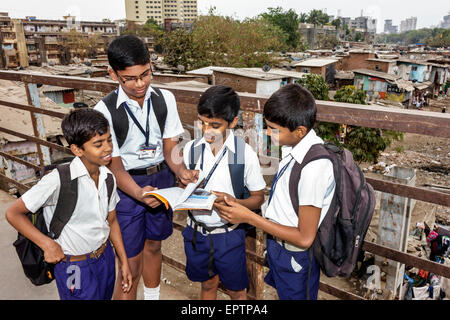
[[238, 83], [356, 61]]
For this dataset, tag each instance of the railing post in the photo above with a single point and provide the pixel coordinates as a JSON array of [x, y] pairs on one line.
[[38, 123]]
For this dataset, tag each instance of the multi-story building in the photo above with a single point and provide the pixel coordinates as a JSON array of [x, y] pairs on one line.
[[408, 24], [180, 11], [43, 38], [446, 23], [389, 28]]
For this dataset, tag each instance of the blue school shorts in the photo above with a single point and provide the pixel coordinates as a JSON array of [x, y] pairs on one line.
[[229, 259], [90, 279], [138, 222], [289, 272]]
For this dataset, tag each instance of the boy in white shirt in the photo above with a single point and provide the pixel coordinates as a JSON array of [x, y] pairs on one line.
[[82, 250], [214, 248], [290, 115], [144, 127]]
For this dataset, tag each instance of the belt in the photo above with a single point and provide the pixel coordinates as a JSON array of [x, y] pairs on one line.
[[213, 230], [94, 254], [149, 170], [285, 244]]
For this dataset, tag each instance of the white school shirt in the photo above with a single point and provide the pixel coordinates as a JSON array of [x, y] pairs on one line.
[[88, 227], [220, 180], [129, 152], [316, 186]]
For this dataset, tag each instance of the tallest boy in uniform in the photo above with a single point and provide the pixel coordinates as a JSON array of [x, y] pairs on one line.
[[143, 159]]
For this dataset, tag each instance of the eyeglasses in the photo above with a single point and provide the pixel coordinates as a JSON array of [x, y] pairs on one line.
[[143, 76]]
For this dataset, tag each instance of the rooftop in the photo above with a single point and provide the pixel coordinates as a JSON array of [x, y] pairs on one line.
[[259, 75], [316, 62], [377, 74]]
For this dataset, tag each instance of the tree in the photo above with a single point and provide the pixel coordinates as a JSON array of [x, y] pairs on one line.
[[317, 17], [366, 144], [223, 41], [288, 21], [336, 23], [316, 84]]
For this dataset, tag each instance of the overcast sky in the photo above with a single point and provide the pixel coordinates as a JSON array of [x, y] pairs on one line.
[[428, 13]]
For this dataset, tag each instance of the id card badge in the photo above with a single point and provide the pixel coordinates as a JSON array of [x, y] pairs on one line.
[[147, 152]]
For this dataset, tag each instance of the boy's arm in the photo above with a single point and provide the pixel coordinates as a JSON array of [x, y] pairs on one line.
[[253, 202], [126, 183], [17, 218], [116, 239], [301, 236], [174, 159]]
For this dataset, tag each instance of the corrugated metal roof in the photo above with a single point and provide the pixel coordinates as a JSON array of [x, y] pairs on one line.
[[377, 74]]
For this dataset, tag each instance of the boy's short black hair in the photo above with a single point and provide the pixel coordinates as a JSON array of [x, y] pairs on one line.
[[127, 51], [81, 125], [219, 102], [290, 107]]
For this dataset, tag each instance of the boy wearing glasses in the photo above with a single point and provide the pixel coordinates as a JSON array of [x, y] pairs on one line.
[[145, 127]]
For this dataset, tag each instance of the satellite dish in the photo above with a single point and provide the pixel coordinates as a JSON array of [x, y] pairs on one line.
[[88, 71], [88, 63], [154, 57], [266, 68]]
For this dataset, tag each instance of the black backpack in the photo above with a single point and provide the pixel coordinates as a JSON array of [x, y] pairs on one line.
[[340, 236], [119, 115], [31, 256]]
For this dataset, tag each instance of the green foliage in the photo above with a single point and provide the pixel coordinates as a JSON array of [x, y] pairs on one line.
[[436, 37], [288, 21], [317, 17], [366, 144], [316, 84], [223, 41], [350, 94]]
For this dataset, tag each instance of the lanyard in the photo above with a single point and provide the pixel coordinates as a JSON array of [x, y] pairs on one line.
[[214, 167], [146, 133], [276, 178]]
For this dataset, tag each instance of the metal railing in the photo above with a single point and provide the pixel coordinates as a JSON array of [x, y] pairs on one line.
[[410, 121]]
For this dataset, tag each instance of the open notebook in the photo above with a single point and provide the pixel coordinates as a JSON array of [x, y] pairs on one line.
[[191, 198]]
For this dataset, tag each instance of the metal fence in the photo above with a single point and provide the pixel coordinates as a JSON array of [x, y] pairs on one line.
[[411, 121]]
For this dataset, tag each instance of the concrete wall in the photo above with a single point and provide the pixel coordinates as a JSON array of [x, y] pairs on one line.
[[167, 78], [267, 87]]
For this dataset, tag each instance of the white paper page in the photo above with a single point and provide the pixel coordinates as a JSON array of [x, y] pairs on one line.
[[190, 188], [200, 200]]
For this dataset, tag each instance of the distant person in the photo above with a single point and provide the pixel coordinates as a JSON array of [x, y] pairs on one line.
[[215, 249], [144, 127], [290, 114], [85, 240]]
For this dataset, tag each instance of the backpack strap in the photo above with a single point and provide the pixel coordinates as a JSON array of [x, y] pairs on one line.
[[119, 115], [109, 185], [159, 108], [236, 164], [316, 152], [194, 154], [67, 200]]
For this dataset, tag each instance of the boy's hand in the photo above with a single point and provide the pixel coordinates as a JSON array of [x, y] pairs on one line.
[[233, 212], [221, 197], [150, 201], [127, 278], [53, 252], [188, 176]]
